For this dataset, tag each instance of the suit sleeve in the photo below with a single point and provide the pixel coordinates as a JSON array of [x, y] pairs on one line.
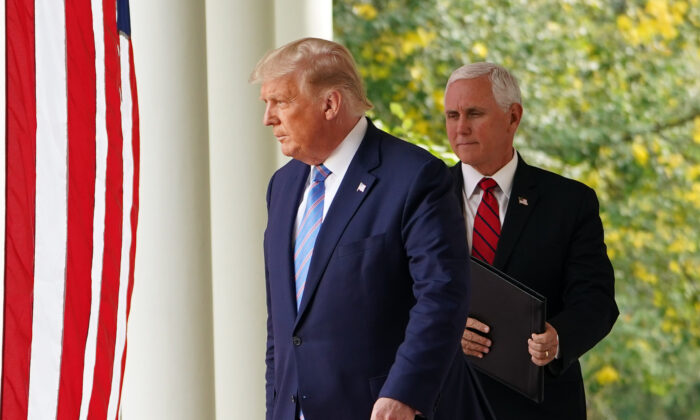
[[270, 347], [433, 233], [589, 292]]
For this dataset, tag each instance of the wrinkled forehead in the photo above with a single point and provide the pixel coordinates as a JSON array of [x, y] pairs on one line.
[[279, 87], [292, 84], [463, 92]]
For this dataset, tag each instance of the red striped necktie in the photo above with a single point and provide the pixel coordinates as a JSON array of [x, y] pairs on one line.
[[487, 223]]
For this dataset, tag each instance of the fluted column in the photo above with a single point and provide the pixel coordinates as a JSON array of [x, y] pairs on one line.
[[169, 368], [242, 158]]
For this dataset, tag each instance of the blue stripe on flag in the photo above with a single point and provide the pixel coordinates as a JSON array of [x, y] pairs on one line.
[[123, 19]]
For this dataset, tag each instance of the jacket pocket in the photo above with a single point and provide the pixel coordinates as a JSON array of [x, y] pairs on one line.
[[360, 246]]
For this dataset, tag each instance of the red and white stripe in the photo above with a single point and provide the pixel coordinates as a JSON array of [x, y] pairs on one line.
[[71, 209]]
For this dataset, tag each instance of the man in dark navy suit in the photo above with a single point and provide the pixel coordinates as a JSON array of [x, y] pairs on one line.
[[365, 260], [542, 229]]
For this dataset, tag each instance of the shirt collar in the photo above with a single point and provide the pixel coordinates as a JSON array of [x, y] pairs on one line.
[[339, 160], [504, 176]]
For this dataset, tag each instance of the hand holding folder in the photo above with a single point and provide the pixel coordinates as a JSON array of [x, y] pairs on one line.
[[513, 312]]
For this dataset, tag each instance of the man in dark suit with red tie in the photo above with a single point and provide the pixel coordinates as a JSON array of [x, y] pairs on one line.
[[366, 267], [540, 228]]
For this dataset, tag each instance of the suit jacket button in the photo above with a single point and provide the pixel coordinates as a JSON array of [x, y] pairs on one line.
[[296, 341], [294, 399]]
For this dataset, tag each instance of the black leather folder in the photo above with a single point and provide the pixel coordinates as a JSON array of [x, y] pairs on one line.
[[513, 312]]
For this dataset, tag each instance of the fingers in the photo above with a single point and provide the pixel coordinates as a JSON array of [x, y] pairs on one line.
[[541, 359], [475, 324], [548, 336], [390, 409], [541, 354], [473, 343], [473, 349], [543, 347], [476, 338]]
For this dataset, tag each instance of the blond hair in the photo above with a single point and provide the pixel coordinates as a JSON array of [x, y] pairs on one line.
[[319, 65]]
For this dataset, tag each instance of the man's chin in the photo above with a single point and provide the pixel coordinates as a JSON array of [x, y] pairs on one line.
[[465, 156], [288, 151]]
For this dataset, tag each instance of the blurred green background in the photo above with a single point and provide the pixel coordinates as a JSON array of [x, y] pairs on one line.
[[611, 92]]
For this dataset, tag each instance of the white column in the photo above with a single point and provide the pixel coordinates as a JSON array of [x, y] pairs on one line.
[[299, 19], [242, 158], [169, 369], [243, 155]]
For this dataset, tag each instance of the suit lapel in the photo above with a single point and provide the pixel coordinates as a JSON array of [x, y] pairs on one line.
[[458, 184], [523, 199], [283, 220], [345, 203]]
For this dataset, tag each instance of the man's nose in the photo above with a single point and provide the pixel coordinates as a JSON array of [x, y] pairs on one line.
[[463, 125], [269, 117]]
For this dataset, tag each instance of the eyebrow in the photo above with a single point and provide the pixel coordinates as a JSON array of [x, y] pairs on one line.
[[467, 110], [277, 97]]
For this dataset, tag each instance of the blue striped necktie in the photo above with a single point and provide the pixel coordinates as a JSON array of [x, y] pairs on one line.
[[309, 228]]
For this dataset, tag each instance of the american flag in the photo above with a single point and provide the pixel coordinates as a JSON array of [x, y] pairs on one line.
[[72, 176]]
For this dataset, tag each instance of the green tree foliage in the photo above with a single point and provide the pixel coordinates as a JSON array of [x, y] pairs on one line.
[[611, 91]]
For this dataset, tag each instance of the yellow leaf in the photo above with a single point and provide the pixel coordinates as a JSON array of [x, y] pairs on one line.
[[438, 95], [674, 267], [666, 326], [656, 7], [681, 245], [365, 11], [640, 153], [480, 49], [417, 72], [422, 127], [624, 23], [426, 37], [644, 345], [679, 7], [410, 42], [607, 375], [674, 160], [658, 298], [641, 272]]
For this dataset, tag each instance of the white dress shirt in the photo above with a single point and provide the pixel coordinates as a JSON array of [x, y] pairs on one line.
[[471, 193], [338, 163]]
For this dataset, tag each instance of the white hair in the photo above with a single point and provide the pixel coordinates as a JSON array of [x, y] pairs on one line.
[[503, 84]]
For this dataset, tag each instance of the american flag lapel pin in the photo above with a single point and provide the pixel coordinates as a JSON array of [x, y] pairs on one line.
[[522, 200], [361, 187]]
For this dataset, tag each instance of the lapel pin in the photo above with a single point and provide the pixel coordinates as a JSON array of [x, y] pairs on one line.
[[522, 200], [361, 187]]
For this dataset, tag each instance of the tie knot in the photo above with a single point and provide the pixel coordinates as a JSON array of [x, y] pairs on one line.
[[320, 173], [487, 184]]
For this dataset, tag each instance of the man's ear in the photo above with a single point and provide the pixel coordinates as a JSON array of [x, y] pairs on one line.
[[515, 113], [332, 101]]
